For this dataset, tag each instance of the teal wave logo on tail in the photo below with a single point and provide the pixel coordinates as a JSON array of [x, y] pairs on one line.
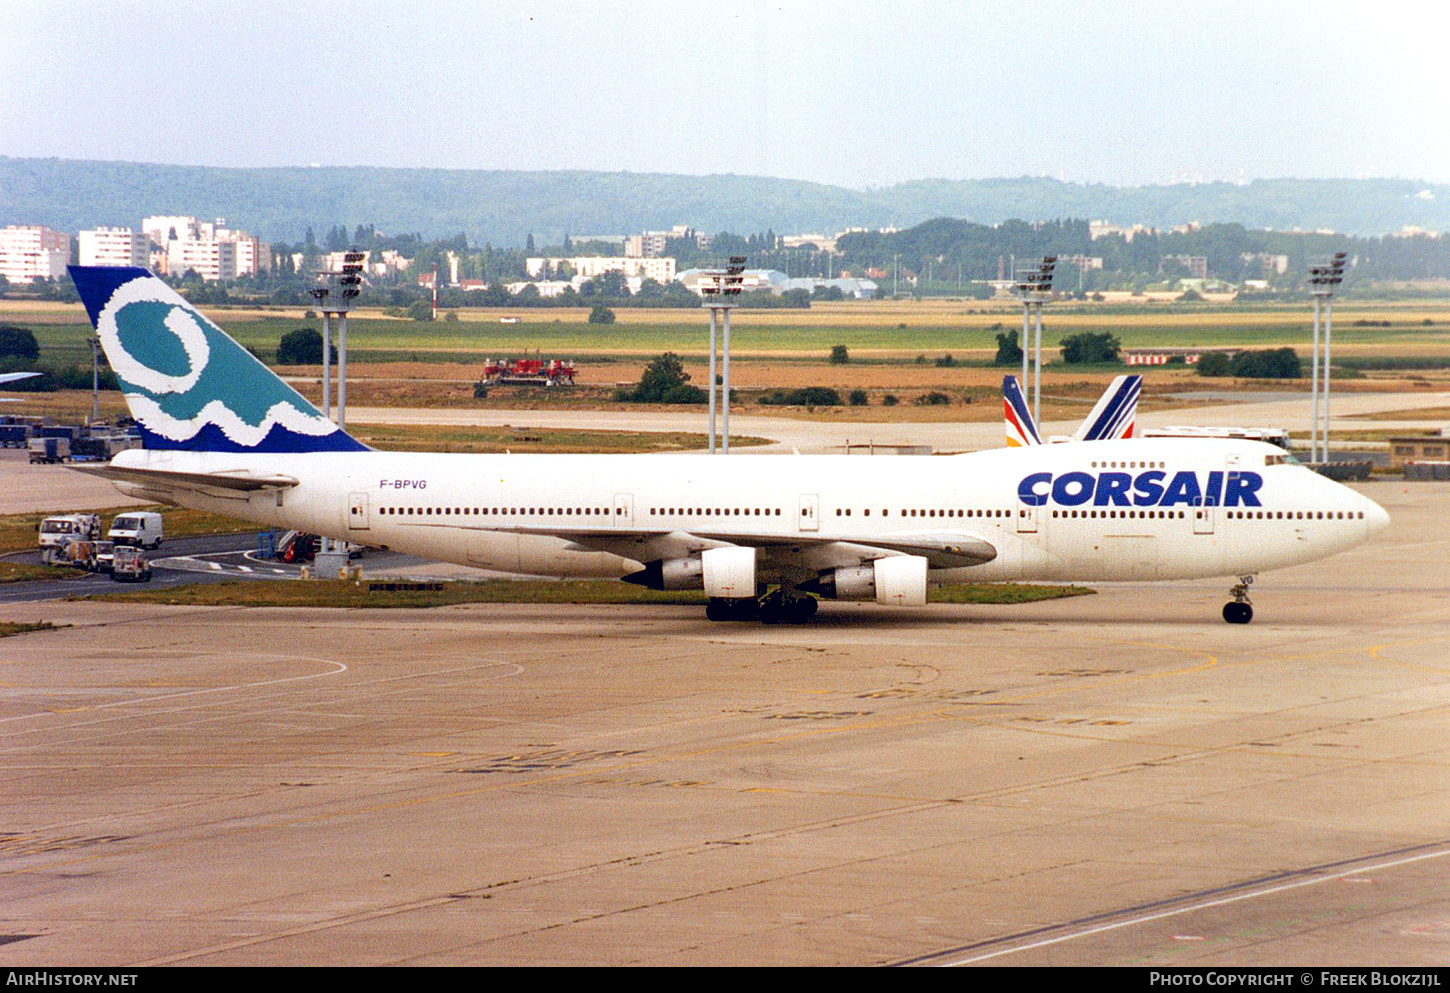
[[187, 383]]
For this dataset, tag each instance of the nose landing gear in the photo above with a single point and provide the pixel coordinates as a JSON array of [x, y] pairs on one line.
[[1239, 610]]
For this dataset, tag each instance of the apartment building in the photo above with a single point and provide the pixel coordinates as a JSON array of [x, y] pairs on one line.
[[213, 249], [113, 246], [29, 252], [661, 270], [651, 244]]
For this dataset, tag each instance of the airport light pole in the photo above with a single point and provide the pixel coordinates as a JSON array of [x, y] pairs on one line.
[[1034, 287], [95, 344], [348, 283], [1322, 281], [720, 289], [320, 294]]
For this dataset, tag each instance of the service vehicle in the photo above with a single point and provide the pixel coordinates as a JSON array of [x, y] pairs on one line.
[[141, 528], [527, 371], [49, 450], [78, 553], [102, 555], [130, 566], [56, 531]]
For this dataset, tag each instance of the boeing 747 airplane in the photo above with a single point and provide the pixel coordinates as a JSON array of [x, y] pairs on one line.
[[758, 533]]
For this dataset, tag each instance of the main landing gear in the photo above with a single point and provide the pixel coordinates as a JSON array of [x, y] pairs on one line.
[[779, 606], [1239, 610]]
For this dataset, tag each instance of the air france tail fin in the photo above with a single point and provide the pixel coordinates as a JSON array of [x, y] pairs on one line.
[[1115, 414], [1021, 428], [189, 385]]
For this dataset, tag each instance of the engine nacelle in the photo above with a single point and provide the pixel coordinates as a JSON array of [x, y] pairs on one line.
[[670, 574], [901, 580], [897, 581], [729, 572]]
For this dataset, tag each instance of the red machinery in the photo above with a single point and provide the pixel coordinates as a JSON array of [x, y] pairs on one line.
[[535, 371]]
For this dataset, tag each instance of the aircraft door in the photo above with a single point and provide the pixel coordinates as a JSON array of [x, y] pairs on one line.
[[357, 512], [623, 510], [809, 519], [1026, 519], [1203, 512]]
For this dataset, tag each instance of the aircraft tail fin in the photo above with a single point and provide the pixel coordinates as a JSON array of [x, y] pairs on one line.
[[190, 386], [1021, 428], [1115, 415]]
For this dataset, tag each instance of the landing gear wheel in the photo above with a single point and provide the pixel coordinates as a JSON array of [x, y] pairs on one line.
[[731, 609], [1239, 610], [787, 607], [1238, 613]]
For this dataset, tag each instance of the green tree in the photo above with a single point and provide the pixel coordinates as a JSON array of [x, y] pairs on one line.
[[1090, 348], [1213, 364], [601, 315], [301, 347], [839, 355], [664, 381], [496, 295], [1272, 363], [17, 342], [1008, 351]]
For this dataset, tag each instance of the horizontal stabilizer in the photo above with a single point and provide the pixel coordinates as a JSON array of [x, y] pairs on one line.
[[244, 480]]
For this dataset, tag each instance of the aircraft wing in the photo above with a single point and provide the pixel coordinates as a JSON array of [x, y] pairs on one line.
[[941, 549], [245, 480], [10, 377]]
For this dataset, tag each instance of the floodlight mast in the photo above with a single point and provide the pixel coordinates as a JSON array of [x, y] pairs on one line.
[[1322, 281], [1034, 287], [347, 282], [720, 288]]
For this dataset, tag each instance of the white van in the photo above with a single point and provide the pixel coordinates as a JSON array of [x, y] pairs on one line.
[[141, 528], [57, 531]]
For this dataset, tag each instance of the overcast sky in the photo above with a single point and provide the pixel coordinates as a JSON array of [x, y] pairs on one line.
[[850, 93]]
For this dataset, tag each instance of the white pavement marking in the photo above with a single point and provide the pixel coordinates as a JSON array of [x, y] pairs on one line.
[[1204, 905]]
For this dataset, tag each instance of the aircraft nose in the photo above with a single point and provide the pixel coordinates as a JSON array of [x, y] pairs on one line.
[[1376, 519]]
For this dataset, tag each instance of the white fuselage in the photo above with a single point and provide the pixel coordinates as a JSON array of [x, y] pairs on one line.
[[1111, 510]]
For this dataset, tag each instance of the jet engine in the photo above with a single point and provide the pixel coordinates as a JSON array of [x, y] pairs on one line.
[[670, 574], [729, 572], [897, 580], [723, 572]]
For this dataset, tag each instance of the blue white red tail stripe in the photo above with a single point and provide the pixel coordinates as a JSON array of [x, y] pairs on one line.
[[1021, 428], [1115, 414]]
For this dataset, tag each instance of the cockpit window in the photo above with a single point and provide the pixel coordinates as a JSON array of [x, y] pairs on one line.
[[1284, 459]]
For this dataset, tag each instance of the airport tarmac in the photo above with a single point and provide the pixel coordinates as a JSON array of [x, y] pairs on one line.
[[1110, 779]]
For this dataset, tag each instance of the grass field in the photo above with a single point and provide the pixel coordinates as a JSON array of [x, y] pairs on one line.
[[894, 347], [532, 440], [334, 594], [876, 330], [20, 572], [9, 628]]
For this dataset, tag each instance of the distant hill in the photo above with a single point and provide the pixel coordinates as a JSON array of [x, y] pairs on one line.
[[503, 207]]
